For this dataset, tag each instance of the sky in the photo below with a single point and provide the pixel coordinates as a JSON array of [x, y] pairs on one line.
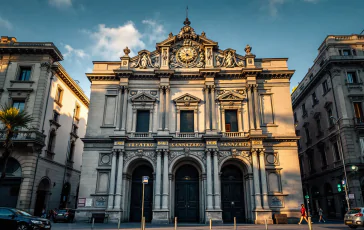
[[95, 30]]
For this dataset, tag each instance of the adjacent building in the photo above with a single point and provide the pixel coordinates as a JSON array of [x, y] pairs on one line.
[[212, 129], [328, 113], [44, 168]]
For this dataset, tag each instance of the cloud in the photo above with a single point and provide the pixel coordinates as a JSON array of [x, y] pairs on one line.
[[5, 23], [60, 3], [74, 52], [109, 42], [154, 32], [273, 5]]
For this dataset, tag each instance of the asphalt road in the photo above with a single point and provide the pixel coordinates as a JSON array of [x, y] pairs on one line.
[[135, 226]]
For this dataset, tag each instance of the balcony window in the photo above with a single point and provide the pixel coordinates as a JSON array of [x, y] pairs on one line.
[[55, 116], [314, 99], [346, 52], [24, 74], [295, 117], [329, 115], [318, 126], [19, 104], [51, 141], [358, 112], [77, 112], [72, 151], [304, 112], [142, 121], [361, 140], [325, 87], [352, 78], [336, 151], [59, 95], [307, 132], [187, 121], [231, 121], [311, 161], [323, 155]]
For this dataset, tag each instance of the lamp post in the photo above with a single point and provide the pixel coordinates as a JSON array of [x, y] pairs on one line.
[[346, 187]]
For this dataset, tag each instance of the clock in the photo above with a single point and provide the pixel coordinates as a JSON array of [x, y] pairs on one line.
[[186, 54]]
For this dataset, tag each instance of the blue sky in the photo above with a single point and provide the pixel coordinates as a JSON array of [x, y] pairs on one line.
[[90, 30]]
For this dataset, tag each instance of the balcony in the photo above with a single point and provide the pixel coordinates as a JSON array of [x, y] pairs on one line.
[[141, 135], [186, 135], [233, 134], [25, 136]]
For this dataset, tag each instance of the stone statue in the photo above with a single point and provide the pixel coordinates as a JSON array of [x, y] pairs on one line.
[[144, 62], [201, 63], [164, 56], [218, 63], [248, 49], [229, 62]]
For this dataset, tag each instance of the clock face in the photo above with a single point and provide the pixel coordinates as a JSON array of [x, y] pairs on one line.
[[187, 54]]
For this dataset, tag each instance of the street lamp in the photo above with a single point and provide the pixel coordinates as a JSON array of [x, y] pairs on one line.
[[336, 121]]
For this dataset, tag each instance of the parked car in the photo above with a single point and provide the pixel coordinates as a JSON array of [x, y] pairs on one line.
[[15, 219], [354, 217], [67, 215]]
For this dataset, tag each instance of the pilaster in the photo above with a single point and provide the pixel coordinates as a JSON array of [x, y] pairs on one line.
[[110, 203]]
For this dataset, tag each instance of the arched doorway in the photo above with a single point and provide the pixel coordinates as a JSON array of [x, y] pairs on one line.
[[232, 194], [9, 189], [65, 195], [136, 194], [187, 194], [42, 195]]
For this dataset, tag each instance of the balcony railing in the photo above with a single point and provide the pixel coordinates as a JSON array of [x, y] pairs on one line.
[[186, 135], [233, 134], [141, 135], [25, 135]]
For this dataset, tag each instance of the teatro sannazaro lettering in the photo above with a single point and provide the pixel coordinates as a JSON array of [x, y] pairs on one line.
[[182, 144]]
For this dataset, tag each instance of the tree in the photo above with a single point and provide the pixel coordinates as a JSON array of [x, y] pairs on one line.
[[12, 119]]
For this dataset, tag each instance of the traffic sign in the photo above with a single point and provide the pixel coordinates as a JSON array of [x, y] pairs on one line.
[[351, 196], [343, 182], [145, 179]]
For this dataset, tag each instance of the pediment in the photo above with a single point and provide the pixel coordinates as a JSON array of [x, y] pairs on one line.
[[143, 97], [187, 98], [232, 96]]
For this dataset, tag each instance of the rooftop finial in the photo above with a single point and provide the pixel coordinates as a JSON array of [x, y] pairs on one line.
[[187, 22], [187, 12]]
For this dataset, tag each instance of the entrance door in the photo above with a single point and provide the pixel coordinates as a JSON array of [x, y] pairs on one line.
[[232, 194], [187, 194], [136, 194]]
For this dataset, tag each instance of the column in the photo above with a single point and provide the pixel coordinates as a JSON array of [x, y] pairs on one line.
[[213, 108], [245, 117], [250, 106], [165, 181], [195, 123], [209, 180], [118, 113], [251, 194], [216, 182], [263, 178], [223, 120], [178, 121], [157, 199], [256, 107], [258, 202], [125, 109], [134, 120], [161, 107], [110, 202], [166, 118], [207, 108], [151, 121], [119, 181], [240, 123]]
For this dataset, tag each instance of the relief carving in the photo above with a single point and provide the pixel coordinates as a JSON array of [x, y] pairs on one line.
[[186, 153], [229, 60], [140, 153], [144, 61], [235, 154]]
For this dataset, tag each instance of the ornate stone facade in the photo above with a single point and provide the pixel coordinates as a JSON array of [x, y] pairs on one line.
[[212, 129]]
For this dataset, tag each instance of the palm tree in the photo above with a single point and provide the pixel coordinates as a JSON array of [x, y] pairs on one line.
[[12, 119]]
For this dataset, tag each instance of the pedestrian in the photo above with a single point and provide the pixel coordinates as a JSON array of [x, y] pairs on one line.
[[321, 212], [44, 213], [303, 214]]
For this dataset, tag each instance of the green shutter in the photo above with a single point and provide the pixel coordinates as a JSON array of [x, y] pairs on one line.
[[142, 121], [187, 121]]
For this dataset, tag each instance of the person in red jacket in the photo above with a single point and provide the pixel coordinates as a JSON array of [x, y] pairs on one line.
[[303, 214]]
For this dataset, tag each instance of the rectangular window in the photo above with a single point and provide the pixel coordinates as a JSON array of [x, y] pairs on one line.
[[361, 140], [329, 115], [318, 125], [187, 121], [307, 132], [311, 161], [295, 117], [352, 78], [346, 52], [311, 76], [325, 87], [19, 104], [336, 151], [358, 112], [109, 110], [59, 94], [314, 98], [267, 108], [231, 121], [143, 121], [354, 52], [77, 112], [323, 155], [304, 112], [24, 74], [55, 116]]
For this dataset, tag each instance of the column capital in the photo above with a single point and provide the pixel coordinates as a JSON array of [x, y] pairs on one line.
[[261, 151], [121, 153], [114, 152], [254, 151], [216, 152], [159, 152]]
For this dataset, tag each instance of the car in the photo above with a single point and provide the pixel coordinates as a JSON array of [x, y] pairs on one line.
[[15, 219], [354, 217], [67, 215]]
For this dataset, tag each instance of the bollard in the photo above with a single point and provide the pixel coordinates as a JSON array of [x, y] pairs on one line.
[[309, 223], [175, 223], [93, 222], [119, 224], [266, 225], [143, 222], [234, 223], [210, 224]]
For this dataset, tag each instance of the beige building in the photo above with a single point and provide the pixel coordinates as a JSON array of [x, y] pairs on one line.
[[32, 79], [333, 87], [212, 129]]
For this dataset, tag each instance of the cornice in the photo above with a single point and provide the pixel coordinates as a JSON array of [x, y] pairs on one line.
[[61, 72], [32, 48]]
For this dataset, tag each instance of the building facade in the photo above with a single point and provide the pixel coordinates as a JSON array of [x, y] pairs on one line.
[[328, 112], [45, 166], [212, 129]]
